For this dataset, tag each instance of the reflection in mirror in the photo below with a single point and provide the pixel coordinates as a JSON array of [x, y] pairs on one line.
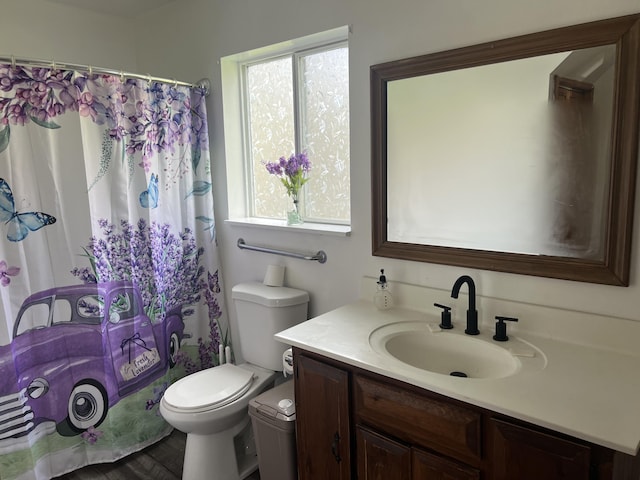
[[521, 168], [517, 155]]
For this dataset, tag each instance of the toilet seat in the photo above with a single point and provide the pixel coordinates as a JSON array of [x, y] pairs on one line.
[[209, 389]]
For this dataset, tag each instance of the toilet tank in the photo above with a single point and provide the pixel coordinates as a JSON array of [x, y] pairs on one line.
[[261, 312]]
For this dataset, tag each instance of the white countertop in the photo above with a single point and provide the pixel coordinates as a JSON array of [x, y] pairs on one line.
[[588, 392]]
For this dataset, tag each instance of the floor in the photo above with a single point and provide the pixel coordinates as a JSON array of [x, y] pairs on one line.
[[161, 461]]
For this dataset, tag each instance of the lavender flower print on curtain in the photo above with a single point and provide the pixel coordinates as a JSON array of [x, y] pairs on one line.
[[109, 272]]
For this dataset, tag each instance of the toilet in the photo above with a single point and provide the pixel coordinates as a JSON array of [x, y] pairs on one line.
[[212, 406]]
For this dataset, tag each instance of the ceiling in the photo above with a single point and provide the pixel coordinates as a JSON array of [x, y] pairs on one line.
[[121, 8]]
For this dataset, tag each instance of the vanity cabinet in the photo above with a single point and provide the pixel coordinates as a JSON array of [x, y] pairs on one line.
[[352, 423]]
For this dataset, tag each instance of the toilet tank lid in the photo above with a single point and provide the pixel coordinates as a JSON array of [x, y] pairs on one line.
[[257, 292]]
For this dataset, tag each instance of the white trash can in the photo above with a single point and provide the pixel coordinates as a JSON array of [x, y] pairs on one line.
[[273, 415]]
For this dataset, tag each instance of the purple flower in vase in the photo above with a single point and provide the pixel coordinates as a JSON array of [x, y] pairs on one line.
[[292, 172]]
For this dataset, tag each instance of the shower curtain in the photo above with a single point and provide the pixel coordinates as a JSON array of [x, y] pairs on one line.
[[109, 273]]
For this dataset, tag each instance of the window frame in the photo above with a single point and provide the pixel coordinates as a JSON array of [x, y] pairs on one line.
[[240, 164]]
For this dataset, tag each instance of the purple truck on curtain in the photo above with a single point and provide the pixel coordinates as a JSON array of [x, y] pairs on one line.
[[76, 351]]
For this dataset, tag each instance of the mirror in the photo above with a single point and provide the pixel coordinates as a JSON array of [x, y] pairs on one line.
[[517, 155]]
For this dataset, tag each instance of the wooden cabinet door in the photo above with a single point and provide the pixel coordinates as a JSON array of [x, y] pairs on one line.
[[427, 466], [524, 454], [322, 421], [380, 458]]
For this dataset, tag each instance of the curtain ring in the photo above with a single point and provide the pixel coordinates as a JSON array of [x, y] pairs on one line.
[[13, 62], [90, 70], [149, 78], [175, 83], [122, 76], [53, 64]]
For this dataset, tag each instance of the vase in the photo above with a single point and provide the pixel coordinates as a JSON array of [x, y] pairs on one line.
[[293, 215]]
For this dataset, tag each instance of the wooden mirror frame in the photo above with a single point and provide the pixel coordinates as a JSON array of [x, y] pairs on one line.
[[624, 32]]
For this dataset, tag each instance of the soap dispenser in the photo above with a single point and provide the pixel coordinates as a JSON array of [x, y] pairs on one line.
[[382, 298]]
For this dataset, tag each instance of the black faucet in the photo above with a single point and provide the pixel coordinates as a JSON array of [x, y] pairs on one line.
[[472, 314]]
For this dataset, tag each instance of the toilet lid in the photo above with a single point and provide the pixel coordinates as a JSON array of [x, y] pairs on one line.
[[210, 388]]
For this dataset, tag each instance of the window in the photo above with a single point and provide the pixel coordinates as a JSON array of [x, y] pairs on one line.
[[292, 99], [121, 307], [90, 308], [34, 316], [62, 312]]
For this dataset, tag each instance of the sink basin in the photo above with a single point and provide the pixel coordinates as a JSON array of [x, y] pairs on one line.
[[449, 352]]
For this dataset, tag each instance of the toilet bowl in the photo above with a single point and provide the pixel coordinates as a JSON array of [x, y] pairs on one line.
[[213, 418], [212, 406]]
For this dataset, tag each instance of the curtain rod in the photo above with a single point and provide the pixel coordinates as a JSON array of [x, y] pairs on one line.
[[205, 83]]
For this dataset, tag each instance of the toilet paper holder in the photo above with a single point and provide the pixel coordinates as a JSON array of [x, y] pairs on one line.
[[287, 362]]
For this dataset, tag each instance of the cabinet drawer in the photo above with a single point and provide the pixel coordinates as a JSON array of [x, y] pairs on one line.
[[441, 426]]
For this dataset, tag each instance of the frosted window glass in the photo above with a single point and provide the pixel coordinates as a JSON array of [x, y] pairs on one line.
[[271, 131], [325, 133]]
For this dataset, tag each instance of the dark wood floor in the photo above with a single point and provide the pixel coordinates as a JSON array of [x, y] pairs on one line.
[[160, 461]]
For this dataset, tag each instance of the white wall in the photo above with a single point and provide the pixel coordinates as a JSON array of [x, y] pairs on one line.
[[42, 30], [186, 39], [381, 31]]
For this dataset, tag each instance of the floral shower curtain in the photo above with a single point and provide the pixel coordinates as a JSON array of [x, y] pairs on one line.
[[109, 271]]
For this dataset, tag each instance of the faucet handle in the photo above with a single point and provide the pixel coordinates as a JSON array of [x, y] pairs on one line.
[[501, 328], [445, 316]]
